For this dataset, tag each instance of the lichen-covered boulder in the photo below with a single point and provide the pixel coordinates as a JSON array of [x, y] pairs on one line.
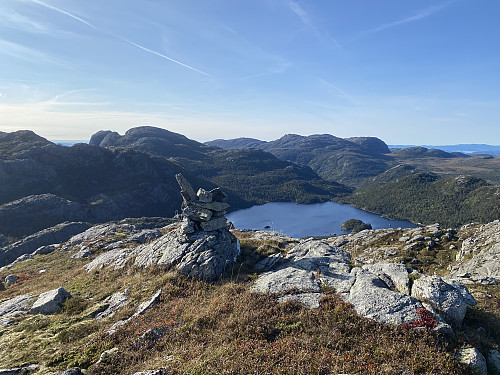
[[371, 297], [395, 275], [444, 297], [307, 267], [50, 302], [204, 255]]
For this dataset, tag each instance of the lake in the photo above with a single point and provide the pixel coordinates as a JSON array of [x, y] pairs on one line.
[[304, 220]]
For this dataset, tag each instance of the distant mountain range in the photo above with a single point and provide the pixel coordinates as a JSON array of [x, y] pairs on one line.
[[115, 176], [462, 148], [360, 161]]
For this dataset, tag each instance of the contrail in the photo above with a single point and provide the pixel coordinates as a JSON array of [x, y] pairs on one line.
[[65, 13], [421, 15], [166, 57], [128, 41]]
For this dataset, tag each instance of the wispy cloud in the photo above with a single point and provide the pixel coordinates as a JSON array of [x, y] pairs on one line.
[[81, 20], [416, 17], [301, 13], [59, 10], [296, 8], [280, 69], [29, 54], [338, 91], [166, 57], [11, 18]]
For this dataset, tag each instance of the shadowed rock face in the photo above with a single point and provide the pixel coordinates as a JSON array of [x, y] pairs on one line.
[[116, 176], [351, 161], [49, 184]]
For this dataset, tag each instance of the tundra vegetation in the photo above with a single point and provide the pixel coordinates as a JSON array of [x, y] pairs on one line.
[[217, 327]]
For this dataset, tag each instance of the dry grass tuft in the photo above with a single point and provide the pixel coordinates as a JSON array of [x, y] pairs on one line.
[[205, 328]]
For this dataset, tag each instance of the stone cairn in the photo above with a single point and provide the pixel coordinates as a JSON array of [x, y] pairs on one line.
[[204, 210]]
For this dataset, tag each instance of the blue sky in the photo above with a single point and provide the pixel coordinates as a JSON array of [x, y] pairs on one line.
[[406, 71]]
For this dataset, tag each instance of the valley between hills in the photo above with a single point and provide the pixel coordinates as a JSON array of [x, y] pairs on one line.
[[117, 258]]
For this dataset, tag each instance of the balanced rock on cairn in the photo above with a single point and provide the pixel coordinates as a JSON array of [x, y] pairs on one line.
[[200, 247], [204, 210]]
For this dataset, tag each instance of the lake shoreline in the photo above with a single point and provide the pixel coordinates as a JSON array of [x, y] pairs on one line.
[[306, 220]]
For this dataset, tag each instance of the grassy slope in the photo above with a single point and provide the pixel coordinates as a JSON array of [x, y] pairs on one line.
[[208, 328]]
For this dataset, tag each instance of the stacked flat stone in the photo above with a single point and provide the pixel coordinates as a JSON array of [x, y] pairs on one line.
[[204, 210]]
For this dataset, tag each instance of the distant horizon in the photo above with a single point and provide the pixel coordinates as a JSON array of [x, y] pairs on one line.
[[389, 145]]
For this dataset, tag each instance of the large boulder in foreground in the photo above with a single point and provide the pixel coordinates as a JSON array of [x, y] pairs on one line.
[[371, 297], [450, 300], [308, 267]]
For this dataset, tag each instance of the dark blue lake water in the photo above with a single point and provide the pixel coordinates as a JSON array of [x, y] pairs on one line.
[[304, 220]]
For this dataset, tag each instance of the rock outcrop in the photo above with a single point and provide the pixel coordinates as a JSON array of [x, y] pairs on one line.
[[378, 291], [19, 305], [54, 235], [479, 254], [493, 362]]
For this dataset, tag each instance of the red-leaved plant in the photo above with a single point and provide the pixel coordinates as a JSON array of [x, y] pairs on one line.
[[427, 320]]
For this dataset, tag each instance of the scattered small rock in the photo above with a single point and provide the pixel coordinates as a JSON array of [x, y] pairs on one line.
[[108, 354], [114, 303], [151, 372], [472, 358], [146, 305], [11, 279], [19, 370]]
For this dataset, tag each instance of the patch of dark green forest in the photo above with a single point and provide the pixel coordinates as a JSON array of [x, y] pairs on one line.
[[426, 198]]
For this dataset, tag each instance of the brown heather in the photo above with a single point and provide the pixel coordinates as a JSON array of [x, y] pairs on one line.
[[206, 328]]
